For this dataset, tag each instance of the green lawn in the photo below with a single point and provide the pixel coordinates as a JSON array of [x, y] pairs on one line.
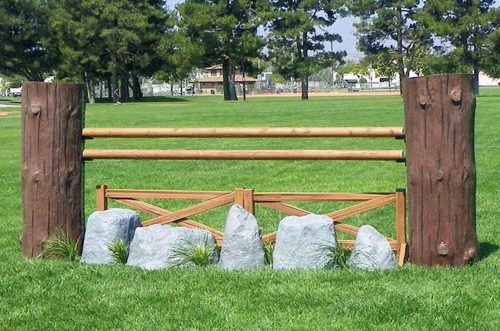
[[62, 295]]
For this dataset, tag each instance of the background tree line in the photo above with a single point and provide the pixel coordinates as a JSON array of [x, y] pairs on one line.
[[118, 41]]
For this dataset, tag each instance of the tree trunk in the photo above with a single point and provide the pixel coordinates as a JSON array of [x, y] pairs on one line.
[[52, 168], [441, 172], [401, 65], [136, 88], [305, 75], [171, 86], [305, 87], [475, 82], [90, 88], [110, 89], [124, 90], [114, 82], [228, 79]]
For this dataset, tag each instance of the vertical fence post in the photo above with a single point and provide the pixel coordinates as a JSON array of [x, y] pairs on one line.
[[239, 196], [441, 174], [248, 201], [400, 205], [52, 168], [101, 201]]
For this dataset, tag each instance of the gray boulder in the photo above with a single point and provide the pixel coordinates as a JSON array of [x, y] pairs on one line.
[[105, 227], [371, 251], [162, 246], [242, 247], [305, 242]]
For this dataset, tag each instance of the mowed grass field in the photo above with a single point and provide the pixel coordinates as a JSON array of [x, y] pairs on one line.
[[40, 294]]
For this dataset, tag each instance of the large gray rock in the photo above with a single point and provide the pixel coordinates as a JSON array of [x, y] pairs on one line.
[[372, 251], [242, 247], [305, 242], [162, 246], [105, 227]]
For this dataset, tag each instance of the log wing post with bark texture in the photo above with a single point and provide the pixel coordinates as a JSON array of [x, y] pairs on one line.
[[52, 168], [441, 174]]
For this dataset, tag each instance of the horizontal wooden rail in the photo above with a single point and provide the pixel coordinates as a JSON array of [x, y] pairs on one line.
[[315, 196], [381, 155], [162, 194], [317, 132]]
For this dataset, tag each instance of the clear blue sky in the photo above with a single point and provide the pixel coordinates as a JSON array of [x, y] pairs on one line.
[[342, 26]]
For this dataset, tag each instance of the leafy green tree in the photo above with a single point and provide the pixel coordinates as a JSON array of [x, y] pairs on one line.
[[390, 28], [226, 32], [24, 47], [180, 55], [298, 31], [386, 65], [469, 27]]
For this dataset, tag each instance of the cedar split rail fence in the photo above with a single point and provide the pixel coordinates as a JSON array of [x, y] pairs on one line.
[[247, 198], [439, 132]]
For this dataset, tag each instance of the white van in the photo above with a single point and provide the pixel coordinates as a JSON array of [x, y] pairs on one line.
[[15, 91]]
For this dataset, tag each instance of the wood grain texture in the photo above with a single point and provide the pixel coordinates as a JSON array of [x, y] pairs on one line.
[[441, 171], [192, 210], [162, 194], [101, 201], [316, 132], [217, 154], [52, 169]]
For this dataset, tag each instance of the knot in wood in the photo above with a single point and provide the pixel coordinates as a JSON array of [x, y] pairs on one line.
[[423, 100], [37, 176], [456, 95], [442, 249], [438, 175], [35, 109]]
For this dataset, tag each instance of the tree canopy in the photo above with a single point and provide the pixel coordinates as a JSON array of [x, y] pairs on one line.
[[226, 32], [116, 42], [25, 48], [470, 27], [298, 34]]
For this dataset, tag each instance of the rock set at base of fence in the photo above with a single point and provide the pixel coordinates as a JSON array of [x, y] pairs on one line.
[[305, 242], [242, 247], [161, 246], [105, 227], [372, 251]]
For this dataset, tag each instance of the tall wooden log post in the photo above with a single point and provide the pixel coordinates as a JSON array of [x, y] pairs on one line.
[[52, 168], [441, 173]]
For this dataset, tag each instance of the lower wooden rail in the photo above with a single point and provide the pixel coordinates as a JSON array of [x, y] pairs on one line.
[[321, 154]]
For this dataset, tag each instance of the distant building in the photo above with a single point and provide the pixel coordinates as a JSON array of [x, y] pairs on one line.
[[211, 81]]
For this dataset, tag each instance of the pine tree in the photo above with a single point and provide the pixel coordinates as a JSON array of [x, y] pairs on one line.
[[226, 31], [24, 46], [297, 36], [469, 26]]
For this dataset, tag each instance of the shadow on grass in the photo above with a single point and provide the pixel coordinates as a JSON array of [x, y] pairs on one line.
[[149, 99], [486, 249], [11, 101]]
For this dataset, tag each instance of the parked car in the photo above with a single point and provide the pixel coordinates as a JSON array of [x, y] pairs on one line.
[[15, 91]]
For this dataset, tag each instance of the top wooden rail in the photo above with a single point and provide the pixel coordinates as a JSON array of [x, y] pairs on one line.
[[316, 132]]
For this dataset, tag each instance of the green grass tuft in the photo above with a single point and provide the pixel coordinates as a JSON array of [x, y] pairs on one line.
[[268, 253], [198, 252], [119, 249], [61, 247]]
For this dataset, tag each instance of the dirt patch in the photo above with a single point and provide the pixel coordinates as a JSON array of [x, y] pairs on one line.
[[4, 113]]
